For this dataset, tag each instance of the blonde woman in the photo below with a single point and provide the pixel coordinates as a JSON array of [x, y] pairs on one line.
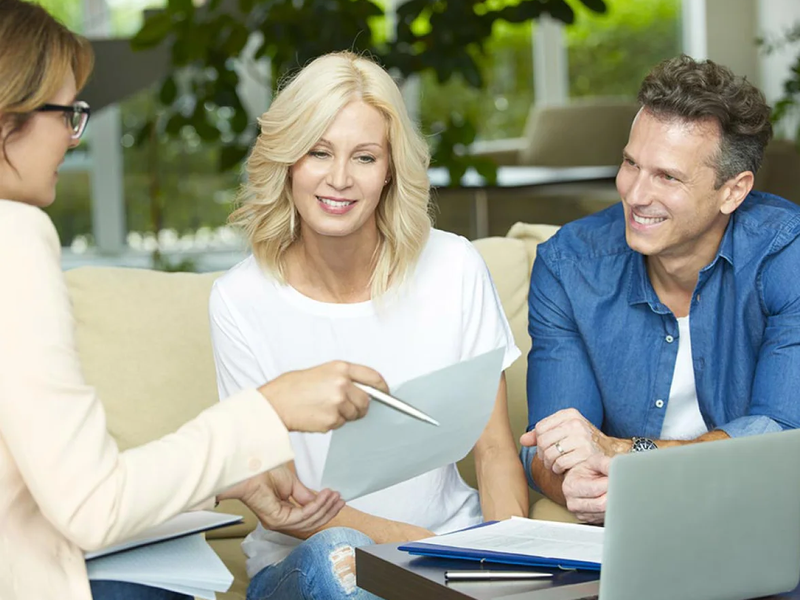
[[64, 485], [345, 265]]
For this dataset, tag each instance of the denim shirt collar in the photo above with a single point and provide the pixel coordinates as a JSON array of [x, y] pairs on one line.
[[640, 289]]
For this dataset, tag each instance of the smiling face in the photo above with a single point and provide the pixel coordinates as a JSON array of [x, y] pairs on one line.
[[28, 171], [666, 183], [337, 186]]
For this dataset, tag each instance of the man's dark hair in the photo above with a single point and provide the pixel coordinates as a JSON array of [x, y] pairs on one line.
[[685, 89]]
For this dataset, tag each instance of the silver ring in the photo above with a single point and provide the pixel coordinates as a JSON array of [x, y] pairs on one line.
[[559, 448]]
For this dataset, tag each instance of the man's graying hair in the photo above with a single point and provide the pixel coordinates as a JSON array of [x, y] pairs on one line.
[[685, 89]]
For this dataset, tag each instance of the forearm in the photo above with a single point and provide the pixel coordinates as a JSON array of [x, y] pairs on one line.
[[501, 478], [711, 436], [502, 485], [547, 482], [378, 529]]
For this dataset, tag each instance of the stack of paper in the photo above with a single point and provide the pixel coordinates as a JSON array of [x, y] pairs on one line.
[[186, 565], [173, 556]]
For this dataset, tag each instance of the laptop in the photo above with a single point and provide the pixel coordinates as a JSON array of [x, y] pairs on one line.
[[708, 521]]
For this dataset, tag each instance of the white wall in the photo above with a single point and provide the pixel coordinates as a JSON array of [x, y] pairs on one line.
[[726, 31], [773, 18], [723, 31], [732, 35]]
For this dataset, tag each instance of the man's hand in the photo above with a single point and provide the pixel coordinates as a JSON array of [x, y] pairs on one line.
[[585, 488], [282, 503], [323, 397], [566, 438]]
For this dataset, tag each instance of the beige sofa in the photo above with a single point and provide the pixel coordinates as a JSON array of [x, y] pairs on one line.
[[144, 343]]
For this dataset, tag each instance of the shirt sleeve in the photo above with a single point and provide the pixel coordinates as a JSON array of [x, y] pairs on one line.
[[774, 404], [53, 426], [560, 374], [237, 366], [484, 325]]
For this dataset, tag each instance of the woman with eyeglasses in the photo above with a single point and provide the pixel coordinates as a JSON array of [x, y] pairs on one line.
[[65, 487]]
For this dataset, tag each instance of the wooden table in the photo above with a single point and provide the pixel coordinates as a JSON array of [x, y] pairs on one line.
[[551, 181], [394, 575]]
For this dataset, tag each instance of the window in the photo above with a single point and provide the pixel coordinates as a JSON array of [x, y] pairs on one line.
[[609, 54], [500, 109]]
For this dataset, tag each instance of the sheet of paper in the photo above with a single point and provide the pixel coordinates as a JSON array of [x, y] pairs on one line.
[[183, 524], [529, 537], [187, 565], [387, 446]]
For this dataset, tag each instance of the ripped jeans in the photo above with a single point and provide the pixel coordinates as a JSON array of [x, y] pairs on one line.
[[320, 568]]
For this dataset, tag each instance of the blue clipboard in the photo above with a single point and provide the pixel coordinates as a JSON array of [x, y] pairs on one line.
[[509, 558]]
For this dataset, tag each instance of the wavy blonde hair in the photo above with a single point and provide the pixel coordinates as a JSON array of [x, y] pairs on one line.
[[36, 54], [298, 117]]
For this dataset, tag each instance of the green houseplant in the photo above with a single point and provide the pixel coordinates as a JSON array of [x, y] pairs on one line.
[[441, 36]]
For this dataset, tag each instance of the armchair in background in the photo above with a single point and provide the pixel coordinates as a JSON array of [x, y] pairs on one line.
[[586, 132]]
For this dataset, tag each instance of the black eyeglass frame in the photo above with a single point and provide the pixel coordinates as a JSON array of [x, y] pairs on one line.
[[80, 108]]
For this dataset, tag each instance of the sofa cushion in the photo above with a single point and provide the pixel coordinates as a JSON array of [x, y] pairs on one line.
[[532, 236], [510, 260], [507, 260], [144, 344]]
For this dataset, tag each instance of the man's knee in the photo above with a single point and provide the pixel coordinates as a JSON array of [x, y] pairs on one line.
[[334, 559]]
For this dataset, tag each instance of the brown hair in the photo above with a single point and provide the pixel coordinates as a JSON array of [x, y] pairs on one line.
[[36, 54], [686, 89]]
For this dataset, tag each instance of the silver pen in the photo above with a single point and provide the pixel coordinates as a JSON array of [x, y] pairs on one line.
[[396, 404], [480, 575]]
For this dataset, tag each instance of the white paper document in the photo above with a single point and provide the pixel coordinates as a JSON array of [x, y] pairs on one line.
[[186, 565], [186, 523], [387, 446], [529, 537]]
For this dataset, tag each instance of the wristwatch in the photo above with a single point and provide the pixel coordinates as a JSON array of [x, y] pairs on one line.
[[642, 444]]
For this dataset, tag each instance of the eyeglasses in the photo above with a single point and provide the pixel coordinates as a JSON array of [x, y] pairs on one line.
[[76, 115]]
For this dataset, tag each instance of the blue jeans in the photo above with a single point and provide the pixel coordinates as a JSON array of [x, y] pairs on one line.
[[320, 568], [120, 590]]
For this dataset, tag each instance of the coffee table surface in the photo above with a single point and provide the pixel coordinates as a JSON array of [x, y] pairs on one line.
[[394, 575]]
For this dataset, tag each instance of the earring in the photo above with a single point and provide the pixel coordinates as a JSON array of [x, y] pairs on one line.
[[385, 181]]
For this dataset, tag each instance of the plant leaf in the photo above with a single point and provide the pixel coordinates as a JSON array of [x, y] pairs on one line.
[[168, 92], [153, 32], [231, 156]]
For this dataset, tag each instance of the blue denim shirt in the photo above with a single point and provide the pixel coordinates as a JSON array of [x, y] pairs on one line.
[[604, 344]]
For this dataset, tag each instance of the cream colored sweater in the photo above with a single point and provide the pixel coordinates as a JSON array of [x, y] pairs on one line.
[[65, 487]]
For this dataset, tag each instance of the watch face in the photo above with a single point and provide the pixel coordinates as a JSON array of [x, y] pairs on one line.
[[641, 444]]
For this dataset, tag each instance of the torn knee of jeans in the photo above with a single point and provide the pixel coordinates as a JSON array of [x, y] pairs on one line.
[[343, 564]]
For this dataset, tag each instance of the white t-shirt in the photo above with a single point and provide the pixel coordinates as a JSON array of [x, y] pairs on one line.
[[683, 420], [447, 311]]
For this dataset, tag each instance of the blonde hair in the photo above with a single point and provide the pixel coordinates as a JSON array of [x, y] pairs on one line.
[[36, 54], [298, 117]]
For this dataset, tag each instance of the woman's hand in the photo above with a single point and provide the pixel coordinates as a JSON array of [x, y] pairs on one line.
[[282, 503], [323, 397]]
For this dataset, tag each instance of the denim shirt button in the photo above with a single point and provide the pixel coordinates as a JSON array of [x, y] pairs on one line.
[[659, 403], [669, 339]]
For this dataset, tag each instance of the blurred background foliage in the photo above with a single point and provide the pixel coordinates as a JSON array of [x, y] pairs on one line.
[[786, 112], [480, 88], [443, 38]]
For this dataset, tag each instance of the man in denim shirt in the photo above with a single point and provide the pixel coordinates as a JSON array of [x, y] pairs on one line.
[[673, 317]]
